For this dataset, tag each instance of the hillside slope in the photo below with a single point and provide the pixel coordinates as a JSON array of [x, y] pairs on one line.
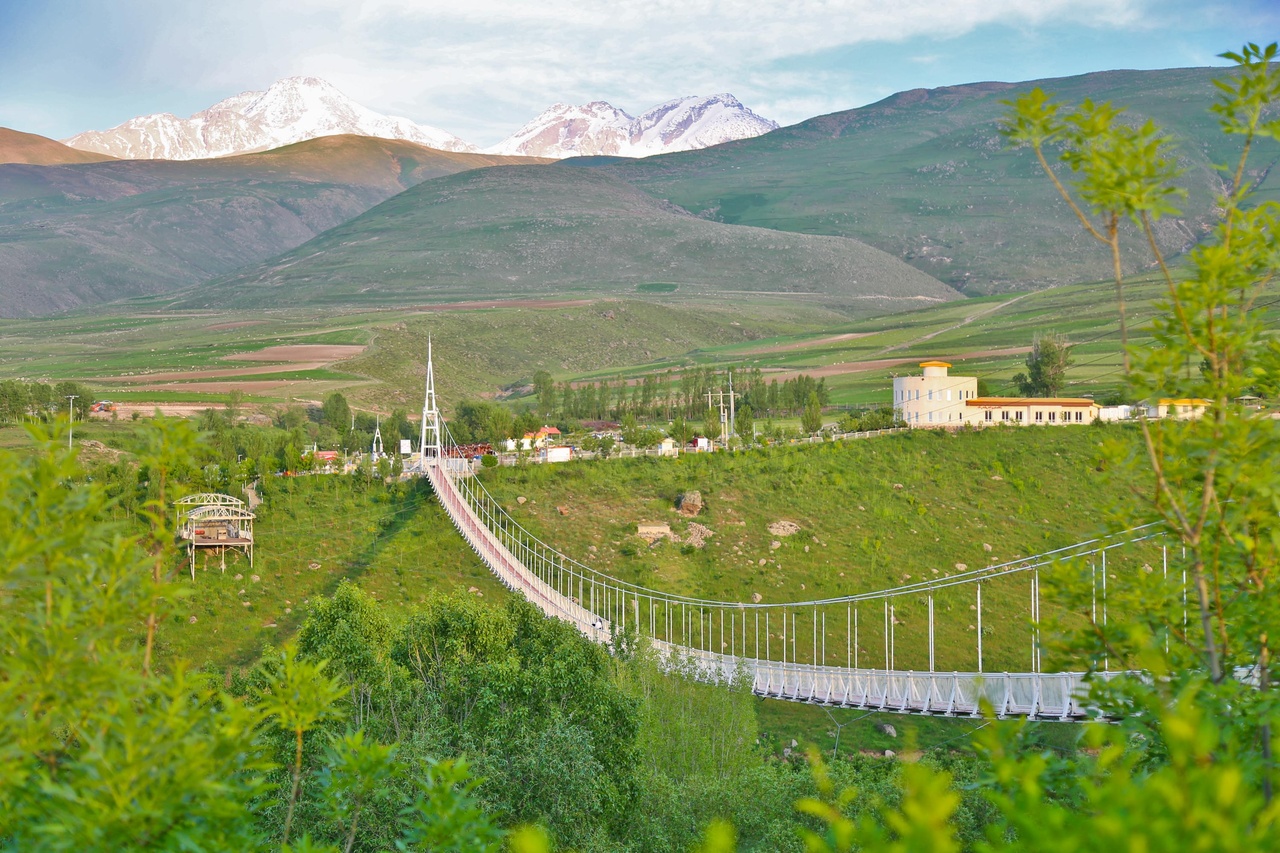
[[925, 176], [35, 150], [82, 234], [540, 231]]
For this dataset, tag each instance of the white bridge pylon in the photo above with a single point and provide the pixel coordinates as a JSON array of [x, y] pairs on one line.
[[786, 650]]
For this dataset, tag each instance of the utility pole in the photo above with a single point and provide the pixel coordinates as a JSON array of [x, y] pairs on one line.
[[71, 417], [733, 417], [717, 398]]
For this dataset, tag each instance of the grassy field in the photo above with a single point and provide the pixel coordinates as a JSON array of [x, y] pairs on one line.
[[987, 337], [478, 351], [311, 533], [494, 351], [872, 514]]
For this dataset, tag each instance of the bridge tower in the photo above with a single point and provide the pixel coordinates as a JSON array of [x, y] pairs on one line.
[[431, 441]]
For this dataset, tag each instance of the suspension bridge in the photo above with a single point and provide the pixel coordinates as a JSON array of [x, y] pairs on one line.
[[841, 652]]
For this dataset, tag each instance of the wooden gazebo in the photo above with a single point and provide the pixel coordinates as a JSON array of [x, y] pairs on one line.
[[214, 521]]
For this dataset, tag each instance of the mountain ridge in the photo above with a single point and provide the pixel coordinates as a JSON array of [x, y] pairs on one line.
[[926, 176], [291, 110], [600, 128], [81, 234]]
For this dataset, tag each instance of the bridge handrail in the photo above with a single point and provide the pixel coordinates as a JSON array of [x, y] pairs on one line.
[[1073, 551]]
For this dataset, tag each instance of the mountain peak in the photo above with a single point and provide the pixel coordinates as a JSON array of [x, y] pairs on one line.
[[290, 110], [598, 127]]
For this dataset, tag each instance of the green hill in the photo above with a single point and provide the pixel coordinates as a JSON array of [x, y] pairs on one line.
[[77, 234], [925, 176], [33, 149], [530, 232]]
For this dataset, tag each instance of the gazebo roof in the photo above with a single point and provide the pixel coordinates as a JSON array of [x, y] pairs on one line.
[[208, 499], [214, 513]]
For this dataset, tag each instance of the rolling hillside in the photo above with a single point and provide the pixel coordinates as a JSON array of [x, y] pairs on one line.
[[532, 232], [35, 150], [925, 176], [80, 234]]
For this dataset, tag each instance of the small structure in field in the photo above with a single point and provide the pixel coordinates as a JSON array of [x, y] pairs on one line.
[[213, 521]]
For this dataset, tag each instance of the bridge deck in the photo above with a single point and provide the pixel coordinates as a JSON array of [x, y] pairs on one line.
[[1020, 694]]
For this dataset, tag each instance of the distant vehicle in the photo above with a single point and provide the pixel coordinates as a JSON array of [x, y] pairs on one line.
[[103, 406]]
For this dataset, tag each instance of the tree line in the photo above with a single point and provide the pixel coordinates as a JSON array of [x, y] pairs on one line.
[[40, 401], [670, 393]]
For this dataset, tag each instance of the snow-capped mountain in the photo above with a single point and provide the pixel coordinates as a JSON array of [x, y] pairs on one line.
[[601, 128], [291, 110]]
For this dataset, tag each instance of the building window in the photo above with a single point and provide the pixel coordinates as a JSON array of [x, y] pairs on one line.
[[1017, 416], [987, 413], [930, 393], [931, 417], [1004, 415], [1040, 416], [1052, 416], [1079, 417], [948, 395]]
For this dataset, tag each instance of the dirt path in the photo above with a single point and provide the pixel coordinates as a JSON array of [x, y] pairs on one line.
[[882, 363], [297, 353], [818, 342], [966, 321], [505, 303], [260, 386], [222, 372]]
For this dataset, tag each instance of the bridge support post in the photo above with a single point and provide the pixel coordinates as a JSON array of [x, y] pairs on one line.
[[931, 633], [979, 626]]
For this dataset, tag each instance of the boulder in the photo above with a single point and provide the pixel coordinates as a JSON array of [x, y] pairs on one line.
[[653, 532], [690, 503], [888, 729]]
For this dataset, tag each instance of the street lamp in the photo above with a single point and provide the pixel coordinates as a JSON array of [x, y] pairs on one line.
[[71, 417]]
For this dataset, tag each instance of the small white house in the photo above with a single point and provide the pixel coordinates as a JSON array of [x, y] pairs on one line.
[[1116, 413]]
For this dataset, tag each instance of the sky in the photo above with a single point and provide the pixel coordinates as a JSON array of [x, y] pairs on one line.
[[482, 68]]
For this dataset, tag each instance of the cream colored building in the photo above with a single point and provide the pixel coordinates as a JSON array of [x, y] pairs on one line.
[[1185, 409], [933, 399], [1031, 411], [938, 400]]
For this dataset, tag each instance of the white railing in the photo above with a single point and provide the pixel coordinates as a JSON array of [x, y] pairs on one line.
[[603, 606]]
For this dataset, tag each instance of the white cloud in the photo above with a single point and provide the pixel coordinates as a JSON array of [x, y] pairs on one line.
[[480, 68]]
